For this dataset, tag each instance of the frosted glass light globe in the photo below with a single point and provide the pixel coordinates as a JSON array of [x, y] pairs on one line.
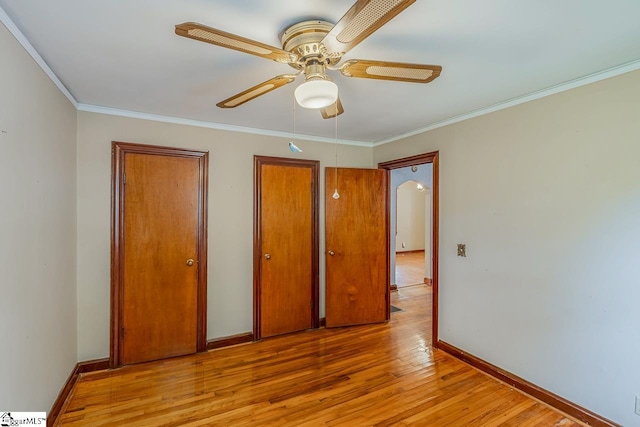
[[316, 93]]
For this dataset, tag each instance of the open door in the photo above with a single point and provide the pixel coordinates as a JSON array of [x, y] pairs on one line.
[[357, 260]]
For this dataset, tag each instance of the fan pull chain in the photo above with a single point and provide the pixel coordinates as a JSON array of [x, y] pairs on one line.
[[336, 195], [292, 146]]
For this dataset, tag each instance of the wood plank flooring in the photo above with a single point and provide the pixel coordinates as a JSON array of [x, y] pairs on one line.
[[375, 375], [409, 268]]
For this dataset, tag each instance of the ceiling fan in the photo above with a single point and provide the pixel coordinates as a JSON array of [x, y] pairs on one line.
[[315, 46]]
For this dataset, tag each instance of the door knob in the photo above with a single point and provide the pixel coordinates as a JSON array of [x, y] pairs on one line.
[[189, 262], [332, 253], [267, 256]]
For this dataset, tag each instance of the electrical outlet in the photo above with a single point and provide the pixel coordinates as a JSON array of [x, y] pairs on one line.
[[637, 405], [403, 244], [462, 249]]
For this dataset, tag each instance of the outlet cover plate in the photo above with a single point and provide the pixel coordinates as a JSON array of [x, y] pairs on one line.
[[637, 405]]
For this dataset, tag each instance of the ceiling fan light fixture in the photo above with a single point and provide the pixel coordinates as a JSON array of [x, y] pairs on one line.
[[316, 93], [314, 46]]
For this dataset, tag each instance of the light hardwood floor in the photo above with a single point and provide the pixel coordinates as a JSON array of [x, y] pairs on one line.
[[409, 268], [375, 375]]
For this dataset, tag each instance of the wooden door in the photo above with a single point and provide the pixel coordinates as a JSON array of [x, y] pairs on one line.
[[162, 253], [286, 246], [357, 261]]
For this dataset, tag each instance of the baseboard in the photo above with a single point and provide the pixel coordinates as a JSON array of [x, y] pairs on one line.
[[230, 340], [393, 287], [410, 252], [79, 368], [428, 281], [323, 322], [93, 365], [551, 399], [56, 408]]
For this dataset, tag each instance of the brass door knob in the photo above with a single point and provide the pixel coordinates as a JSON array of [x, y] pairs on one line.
[[332, 253], [267, 256], [189, 262]]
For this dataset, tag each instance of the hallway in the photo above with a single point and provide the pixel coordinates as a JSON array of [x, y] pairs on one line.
[[409, 268]]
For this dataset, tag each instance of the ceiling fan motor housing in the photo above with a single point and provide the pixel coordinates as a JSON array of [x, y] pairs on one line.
[[304, 39]]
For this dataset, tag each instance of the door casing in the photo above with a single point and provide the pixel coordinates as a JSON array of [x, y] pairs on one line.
[[118, 152], [432, 158]]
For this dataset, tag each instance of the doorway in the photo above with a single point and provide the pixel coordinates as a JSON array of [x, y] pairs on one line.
[[412, 233], [413, 165], [158, 252]]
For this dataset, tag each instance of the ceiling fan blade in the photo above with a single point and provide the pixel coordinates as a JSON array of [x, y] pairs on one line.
[[396, 71], [256, 91], [364, 17], [332, 110], [206, 34]]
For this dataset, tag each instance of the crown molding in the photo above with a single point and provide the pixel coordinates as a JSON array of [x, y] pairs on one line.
[[572, 84], [562, 87], [211, 125], [15, 31]]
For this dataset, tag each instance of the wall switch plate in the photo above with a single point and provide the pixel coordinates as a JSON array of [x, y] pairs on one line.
[[462, 249], [637, 405]]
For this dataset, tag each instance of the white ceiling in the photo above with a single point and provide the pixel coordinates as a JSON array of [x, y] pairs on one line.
[[125, 55]]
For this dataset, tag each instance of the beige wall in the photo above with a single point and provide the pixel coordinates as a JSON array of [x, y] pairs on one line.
[[230, 281], [411, 218], [37, 233], [546, 195]]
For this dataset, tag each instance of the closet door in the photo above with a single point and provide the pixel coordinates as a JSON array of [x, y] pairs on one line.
[[285, 246]]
